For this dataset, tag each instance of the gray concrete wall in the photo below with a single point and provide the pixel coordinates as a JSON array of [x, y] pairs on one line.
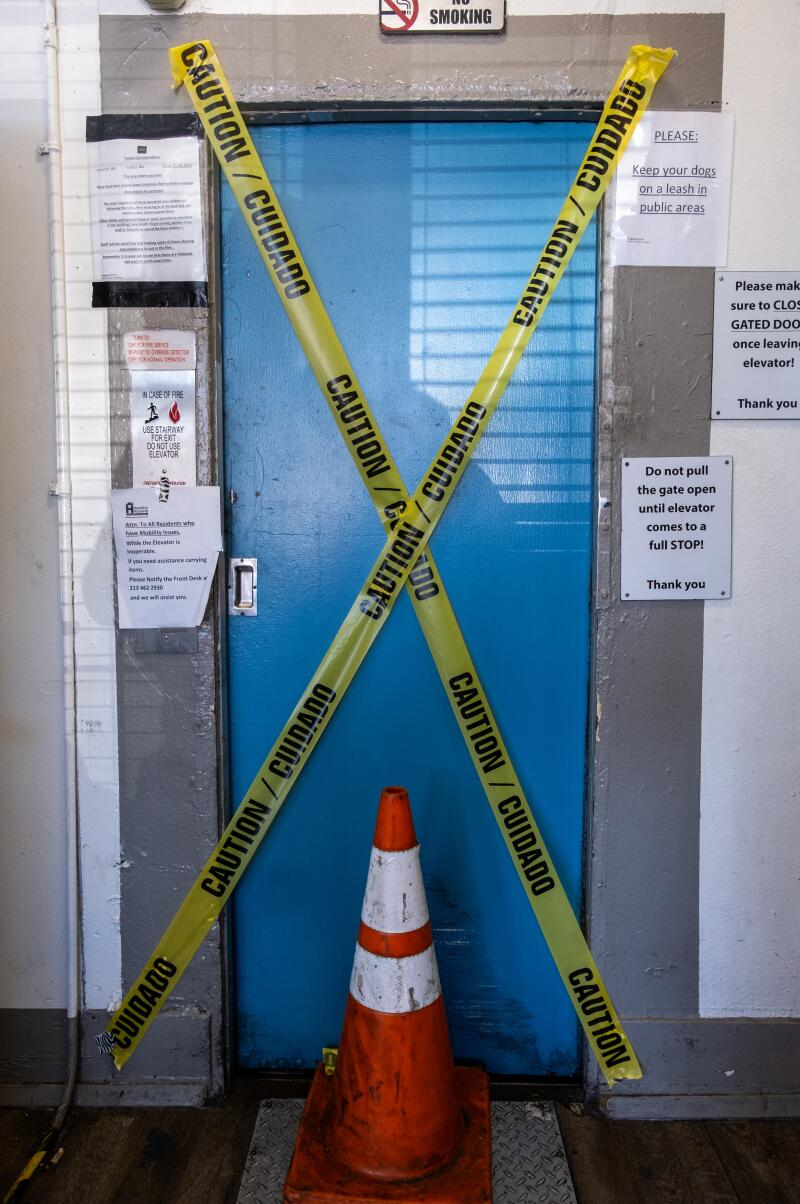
[[171, 738]]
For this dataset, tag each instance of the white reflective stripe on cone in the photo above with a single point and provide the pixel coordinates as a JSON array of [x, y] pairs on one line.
[[395, 984], [394, 900]]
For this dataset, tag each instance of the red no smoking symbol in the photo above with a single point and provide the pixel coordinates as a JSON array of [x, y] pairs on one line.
[[397, 16]]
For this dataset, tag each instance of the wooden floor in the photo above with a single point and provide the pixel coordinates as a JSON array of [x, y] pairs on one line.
[[182, 1156]]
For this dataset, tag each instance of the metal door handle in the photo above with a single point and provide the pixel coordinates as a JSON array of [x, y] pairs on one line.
[[243, 585]]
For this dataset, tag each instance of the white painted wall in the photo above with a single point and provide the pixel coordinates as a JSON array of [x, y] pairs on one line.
[[750, 825], [32, 875], [32, 851], [750, 809], [98, 774]]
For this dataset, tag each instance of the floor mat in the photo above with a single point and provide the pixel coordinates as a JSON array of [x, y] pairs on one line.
[[529, 1165]]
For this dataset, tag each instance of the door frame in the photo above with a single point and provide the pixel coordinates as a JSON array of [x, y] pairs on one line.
[[350, 112]]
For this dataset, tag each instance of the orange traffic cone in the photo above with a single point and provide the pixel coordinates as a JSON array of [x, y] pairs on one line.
[[397, 1121]]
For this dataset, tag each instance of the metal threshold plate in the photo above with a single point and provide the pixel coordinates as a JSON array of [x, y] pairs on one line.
[[528, 1161]]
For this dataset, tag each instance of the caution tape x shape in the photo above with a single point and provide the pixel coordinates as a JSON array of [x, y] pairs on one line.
[[410, 522]]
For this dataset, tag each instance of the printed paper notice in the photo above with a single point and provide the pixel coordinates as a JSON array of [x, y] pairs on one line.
[[672, 197], [167, 543], [756, 345], [676, 527], [146, 209]]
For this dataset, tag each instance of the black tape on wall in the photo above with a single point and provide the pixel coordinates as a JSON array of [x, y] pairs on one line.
[[132, 294], [142, 125]]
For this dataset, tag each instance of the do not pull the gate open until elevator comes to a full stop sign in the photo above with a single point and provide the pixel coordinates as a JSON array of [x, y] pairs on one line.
[[676, 527]]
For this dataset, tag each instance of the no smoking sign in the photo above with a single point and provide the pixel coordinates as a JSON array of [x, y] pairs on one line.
[[442, 16]]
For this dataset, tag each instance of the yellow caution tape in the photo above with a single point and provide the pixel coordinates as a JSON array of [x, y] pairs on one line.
[[411, 522], [31, 1167]]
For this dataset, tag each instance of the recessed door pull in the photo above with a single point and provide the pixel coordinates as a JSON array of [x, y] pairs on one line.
[[243, 586]]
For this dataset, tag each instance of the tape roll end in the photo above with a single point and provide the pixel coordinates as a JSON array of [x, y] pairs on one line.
[[663, 55], [623, 1074], [176, 67], [183, 57]]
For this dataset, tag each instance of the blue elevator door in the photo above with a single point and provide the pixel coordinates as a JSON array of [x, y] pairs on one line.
[[420, 238]]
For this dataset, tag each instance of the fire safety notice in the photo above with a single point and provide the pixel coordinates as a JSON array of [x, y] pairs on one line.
[[167, 542], [676, 527], [160, 350], [756, 345], [163, 428], [161, 365]]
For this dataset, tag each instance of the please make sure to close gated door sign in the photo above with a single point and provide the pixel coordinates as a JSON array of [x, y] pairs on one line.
[[442, 16]]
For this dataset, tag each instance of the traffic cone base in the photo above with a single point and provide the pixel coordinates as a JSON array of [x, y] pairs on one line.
[[317, 1176]]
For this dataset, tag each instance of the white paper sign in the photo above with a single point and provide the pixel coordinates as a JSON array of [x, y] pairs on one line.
[[146, 209], [442, 16], [157, 350], [166, 550], [672, 197], [756, 345], [676, 527], [163, 428]]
